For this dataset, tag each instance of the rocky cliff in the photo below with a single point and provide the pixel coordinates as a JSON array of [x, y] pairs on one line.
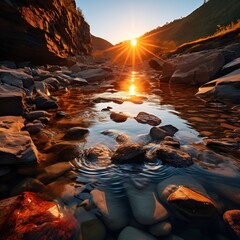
[[42, 31]]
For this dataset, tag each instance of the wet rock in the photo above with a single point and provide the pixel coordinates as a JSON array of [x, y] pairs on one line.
[[161, 229], [169, 141], [33, 128], [43, 102], [225, 88], [41, 87], [118, 117], [113, 209], [42, 139], [11, 101], [146, 209], [36, 115], [174, 157], [64, 151], [36, 219], [191, 203], [11, 123], [231, 66], [75, 133], [129, 153], [157, 133], [156, 64], [52, 82], [17, 148], [134, 234], [147, 118], [54, 171], [76, 68], [222, 144], [170, 129], [60, 114], [79, 81], [100, 154], [27, 185], [118, 136], [232, 218]]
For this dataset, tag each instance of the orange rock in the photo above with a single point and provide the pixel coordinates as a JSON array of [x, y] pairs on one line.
[[232, 217], [27, 216]]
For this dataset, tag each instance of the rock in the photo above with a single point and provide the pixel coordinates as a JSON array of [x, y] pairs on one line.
[[53, 82], [43, 102], [15, 78], [161, 229], [100, 155], [75, 133], [197, 68], [36, 219], [147, 118], [134, 234], [158, 133], [226, 88], [129, 153], [232, 218], [92, 75], [222, 144], [60, 114], [42, 139], [36, 115], [113, 209], [230, 67], [118, 136], [33, 128], [41, 87], [156, 64], [146, 209], [11, 123], [192, 204], [11, 101], [41, 36], [17, 148], [54, 171], [169, 129], [174, 157], [27, 185], [79, 81], [118, 117], [76, 68], [8, 64]]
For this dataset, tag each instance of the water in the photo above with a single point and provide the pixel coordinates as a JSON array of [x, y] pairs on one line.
[[175, 105]]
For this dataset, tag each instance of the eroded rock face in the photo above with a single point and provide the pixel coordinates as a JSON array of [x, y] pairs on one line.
[[47, 31], [35, 219]]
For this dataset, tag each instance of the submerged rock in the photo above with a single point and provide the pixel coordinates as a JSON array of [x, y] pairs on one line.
[[17, 148], [27, 216], [120, 137], [192, 204], [174, 157], [75, 133], [146, 209], [129, 153], [232, 218], [222, 144], [147, 118], [134, 234]]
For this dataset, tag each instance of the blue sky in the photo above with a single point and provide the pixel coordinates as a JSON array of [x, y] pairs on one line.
[[116, 20]]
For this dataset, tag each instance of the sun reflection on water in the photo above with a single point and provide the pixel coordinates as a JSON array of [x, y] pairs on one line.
[[132, 89]]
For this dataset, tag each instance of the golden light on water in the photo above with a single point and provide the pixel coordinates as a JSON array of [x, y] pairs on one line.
[[134, 42]]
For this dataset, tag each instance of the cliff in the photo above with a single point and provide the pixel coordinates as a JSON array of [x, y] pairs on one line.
[[42, 31]]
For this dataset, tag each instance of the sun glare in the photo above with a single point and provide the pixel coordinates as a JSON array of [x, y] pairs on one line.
[[132, 89], [134, 42]]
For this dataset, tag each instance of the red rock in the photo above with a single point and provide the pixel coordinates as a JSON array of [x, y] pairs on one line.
[[27, 216]]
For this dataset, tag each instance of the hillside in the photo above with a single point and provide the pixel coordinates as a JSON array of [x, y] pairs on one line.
[[100, 43], [203, 22]]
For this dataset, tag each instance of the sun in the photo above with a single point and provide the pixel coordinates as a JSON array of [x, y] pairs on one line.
[[134, 42]]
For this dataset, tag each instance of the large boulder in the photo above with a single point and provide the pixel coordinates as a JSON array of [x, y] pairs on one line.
[[11, 100], [226, 88], [197, 68], [27, 216], [46, 31], [17, 148]]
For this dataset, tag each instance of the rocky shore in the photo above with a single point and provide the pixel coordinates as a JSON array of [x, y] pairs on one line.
[[34, 162]]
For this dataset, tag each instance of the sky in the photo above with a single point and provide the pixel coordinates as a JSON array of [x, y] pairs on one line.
[[120, 20]]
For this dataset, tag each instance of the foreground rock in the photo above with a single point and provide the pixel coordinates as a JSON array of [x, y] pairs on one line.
[[174, 157], [134, 234], [147, 118], [35, 219], [11, 123], [11, 101], [146, 209], [118, 117], [226, 88], [17, 148], [113, 209], [159, 133], [232, 218], [129, 153], [192, 204], [75, 133]]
